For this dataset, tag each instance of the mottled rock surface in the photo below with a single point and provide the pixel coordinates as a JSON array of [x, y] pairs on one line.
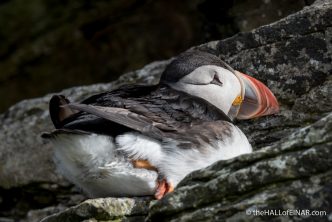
[[104, 209], [294, 58], [50, 43], [292, 168], [21, 146], [295, 174], [28, 179], [289, 170]]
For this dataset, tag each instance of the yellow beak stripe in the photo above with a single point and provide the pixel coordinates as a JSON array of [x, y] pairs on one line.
[[237, 101]]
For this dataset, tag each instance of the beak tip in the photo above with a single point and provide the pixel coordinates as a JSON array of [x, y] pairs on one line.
[[260, 99]]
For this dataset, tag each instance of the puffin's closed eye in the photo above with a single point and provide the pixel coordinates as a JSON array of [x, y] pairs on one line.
[[216, 81]]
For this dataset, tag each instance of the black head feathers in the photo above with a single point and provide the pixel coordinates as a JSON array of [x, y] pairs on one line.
[[187, 62]]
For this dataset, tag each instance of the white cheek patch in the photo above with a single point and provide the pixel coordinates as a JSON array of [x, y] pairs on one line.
[[216, 95], [197, 83], [200, 76]]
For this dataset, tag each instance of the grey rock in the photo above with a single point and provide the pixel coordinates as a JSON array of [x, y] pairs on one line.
[[25, 157], [53, 40], [3, 219], [293, 57], [37, 215], [290, 168], [294, 174], [27, 170], [104, 209]]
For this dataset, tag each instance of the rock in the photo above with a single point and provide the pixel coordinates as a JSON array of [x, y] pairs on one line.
[[25, 157], [44, 42], [27, 170], [293, 57], [290, 169], [294, 174], [104, 209], [226, 18], [49, 41], [36, 215]]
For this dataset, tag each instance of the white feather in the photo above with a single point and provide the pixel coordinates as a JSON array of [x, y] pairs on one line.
[[140, 147], [92, 163], [181, 162], [102, 168]]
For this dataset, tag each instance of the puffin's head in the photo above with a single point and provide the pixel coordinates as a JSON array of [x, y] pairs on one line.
[[206, 76]]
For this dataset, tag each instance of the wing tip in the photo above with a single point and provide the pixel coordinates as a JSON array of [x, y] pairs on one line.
[[59, 110]]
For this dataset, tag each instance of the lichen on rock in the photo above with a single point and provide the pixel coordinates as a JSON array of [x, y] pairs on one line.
[[104, 209], [294, 174], [291, 165]]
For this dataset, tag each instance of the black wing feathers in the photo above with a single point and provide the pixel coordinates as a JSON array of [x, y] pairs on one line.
[[152, 110]]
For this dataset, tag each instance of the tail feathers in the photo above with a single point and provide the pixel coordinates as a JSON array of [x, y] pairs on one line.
[[58, 110]]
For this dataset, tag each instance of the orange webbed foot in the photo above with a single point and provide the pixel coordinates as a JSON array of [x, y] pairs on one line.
[[144, 164], [163, 188]]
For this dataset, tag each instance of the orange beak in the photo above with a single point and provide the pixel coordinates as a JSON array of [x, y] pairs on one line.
[[258, 99]]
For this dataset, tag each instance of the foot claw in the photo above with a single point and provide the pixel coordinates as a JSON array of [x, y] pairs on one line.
[[163, 188]]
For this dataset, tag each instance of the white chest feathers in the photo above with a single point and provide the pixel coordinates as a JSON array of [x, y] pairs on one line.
[[92, 163], [102, 166]]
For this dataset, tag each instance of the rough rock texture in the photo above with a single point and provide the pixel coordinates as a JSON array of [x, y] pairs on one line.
[[290, 170], [104, 209], [49, 43], [27, 176], [294, 58], [295, 174], [21, 146]]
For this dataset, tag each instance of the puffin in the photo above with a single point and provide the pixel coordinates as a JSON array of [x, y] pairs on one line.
[[143, 140]]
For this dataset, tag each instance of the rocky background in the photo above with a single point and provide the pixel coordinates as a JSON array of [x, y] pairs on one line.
[[291, 168], [55, 44]]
